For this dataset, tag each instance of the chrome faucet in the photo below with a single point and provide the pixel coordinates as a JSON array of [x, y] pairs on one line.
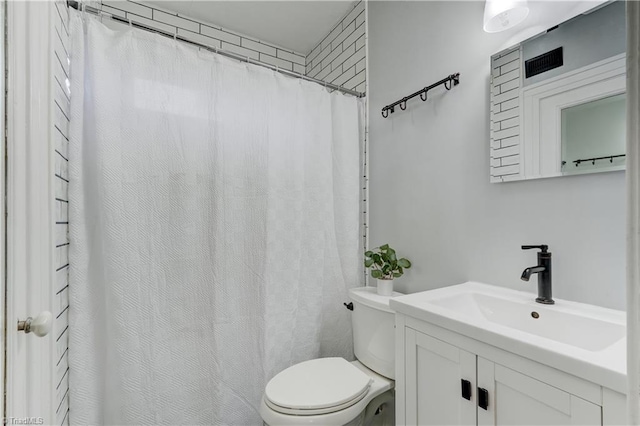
[[543, 269]]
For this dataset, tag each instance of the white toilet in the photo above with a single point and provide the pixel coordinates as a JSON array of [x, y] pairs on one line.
[[334, 391]]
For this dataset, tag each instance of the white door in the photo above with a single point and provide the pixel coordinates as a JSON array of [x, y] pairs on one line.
[[29, 220], [440, 382], [507, 397]]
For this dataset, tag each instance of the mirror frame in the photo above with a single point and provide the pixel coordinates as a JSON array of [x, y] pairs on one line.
[[525, 121]]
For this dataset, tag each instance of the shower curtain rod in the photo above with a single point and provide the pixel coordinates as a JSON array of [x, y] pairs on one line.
[[78, 6]]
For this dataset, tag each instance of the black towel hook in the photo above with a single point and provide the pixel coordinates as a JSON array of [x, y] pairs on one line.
[[448, 82], [445, 84], [594, 159]]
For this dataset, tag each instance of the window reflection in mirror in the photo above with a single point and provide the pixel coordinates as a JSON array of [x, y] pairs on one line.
[[593, 136]]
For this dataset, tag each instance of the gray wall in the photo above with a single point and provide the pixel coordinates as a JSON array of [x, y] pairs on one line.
[[586, 39], [429, 190]]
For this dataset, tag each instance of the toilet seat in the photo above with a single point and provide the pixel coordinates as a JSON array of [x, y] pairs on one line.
[[314, 411], [379, 385], [315, 387]]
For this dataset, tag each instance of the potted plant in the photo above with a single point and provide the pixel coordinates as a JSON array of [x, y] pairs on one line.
[[385, 266]]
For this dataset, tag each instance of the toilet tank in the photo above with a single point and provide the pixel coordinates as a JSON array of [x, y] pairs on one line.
[[374, 330]]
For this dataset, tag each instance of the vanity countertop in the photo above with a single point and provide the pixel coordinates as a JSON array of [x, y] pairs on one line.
[[584, 340]]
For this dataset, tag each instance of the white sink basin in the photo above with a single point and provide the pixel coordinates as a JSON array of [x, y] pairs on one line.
[[551, 322], [585, 340]]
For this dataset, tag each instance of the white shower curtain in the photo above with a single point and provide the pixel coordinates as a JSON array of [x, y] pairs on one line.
[[214, 216], [633, 211]]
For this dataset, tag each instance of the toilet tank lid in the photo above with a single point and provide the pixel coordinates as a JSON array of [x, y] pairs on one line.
[[369, 296]]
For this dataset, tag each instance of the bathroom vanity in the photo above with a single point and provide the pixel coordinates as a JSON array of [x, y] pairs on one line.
[[479, 354]]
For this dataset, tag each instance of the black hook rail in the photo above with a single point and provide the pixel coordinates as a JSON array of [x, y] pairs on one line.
[[450, 81], [594, 159]]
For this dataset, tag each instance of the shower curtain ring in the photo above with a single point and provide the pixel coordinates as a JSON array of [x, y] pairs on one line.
[[383, 112], [445, 84], [425, 94], [403, 104]]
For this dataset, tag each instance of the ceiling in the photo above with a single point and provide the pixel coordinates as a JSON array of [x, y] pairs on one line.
[[293, 24], [300, 24]]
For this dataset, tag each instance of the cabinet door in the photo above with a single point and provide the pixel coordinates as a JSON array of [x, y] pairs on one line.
[[434, 374], [516, 399]]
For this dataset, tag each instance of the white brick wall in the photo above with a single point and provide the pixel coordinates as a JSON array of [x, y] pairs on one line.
[[340, 58], [60, 137], [506, 81], [206, 33]]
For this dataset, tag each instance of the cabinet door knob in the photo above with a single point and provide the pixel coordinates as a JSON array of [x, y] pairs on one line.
[[483, 398], [466, 389]]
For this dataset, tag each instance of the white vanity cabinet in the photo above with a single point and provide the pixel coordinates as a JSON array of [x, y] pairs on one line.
[[430, 361], [444, 378], [512, 398]]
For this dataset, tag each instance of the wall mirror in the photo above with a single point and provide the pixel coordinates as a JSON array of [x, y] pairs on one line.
[[557, 104]]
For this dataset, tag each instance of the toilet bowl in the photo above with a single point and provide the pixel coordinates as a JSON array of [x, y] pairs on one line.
[[334, 391]]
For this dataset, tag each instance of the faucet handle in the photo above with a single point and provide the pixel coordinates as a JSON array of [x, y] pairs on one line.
[[542, 247]]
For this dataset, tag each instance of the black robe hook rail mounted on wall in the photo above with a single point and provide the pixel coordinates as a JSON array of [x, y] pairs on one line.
[[450, 81], [594, 159]]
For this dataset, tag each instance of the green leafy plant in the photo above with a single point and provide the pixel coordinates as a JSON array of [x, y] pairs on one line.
[[384, 263]]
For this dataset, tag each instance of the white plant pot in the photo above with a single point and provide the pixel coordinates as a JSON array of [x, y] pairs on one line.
[[385, 287]]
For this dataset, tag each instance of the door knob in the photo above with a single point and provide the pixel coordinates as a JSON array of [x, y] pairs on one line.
[[40, 325]]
